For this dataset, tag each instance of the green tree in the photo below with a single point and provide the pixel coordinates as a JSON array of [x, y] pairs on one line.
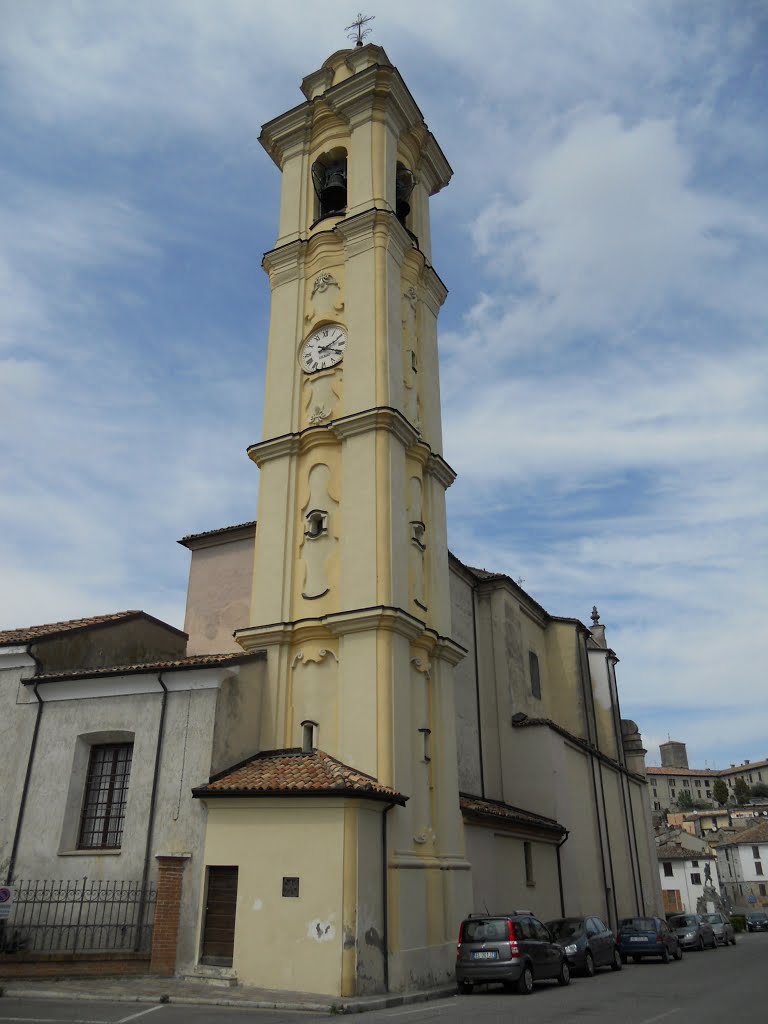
[[760, 789], [685, 801], [720, 792], [741, 791]]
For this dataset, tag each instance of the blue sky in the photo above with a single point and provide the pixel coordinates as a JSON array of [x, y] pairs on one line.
[[604, 240]]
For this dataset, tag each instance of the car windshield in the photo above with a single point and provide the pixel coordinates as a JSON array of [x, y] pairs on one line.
[[713, 918], [638, 924], [683, 921], [496, 930], [758, 917], [568, 928]]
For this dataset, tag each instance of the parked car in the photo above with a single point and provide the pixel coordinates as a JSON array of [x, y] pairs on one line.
[[647, 936], [722, 928], [587, 942], [513, 949], [757, 921], [693, 931]]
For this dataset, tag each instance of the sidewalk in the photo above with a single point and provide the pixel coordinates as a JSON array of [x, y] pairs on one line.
[[148, 989]]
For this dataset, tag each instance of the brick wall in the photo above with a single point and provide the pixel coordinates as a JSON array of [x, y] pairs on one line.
[[81, 967], [167, 909]]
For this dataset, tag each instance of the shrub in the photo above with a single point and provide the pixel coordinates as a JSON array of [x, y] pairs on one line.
[[739, 922]]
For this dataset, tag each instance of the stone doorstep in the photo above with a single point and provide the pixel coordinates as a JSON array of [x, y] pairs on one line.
[[222, 977]]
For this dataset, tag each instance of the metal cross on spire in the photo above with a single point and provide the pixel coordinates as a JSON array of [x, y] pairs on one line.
[[357, 30]]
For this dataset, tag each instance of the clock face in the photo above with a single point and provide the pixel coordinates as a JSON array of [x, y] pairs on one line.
[[323, 349]]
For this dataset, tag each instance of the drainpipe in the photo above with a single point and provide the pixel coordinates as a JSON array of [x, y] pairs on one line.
[[608, 843], [385, 895], [560, 874], [599, 834], [151, 821], [28, 773], [477, 696]]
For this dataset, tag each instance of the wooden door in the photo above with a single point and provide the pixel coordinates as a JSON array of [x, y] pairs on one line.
[[219, 919]]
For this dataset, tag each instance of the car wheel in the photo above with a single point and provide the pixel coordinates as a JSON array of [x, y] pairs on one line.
[[665, 955], [700, 946], [733, 941], [525, 981], [678, 954], [564, 977], [467, 988], [617, 961], [589, 965]]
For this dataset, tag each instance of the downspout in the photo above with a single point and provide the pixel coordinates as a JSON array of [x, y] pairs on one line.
[[560, 873], [599, 834], [608, 843], [27, 774], [385, 896], [477, 696], [151, 821]]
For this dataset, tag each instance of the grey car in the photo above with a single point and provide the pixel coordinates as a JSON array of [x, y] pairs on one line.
[[693, 931], [722, 928], [512, 949]]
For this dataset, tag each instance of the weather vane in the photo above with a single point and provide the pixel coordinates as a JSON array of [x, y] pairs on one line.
[[357, 31]]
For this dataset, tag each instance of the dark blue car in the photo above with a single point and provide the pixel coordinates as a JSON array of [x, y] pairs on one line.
[[640, 937]]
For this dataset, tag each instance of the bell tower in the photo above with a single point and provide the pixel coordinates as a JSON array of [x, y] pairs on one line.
[[350, 586]]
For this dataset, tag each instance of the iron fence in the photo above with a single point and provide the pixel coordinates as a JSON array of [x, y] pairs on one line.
[[80, 916]]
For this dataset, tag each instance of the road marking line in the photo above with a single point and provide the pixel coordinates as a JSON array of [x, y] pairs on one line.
[[51, 1020], [661, 1016], [141, 1013], [423, 1008]]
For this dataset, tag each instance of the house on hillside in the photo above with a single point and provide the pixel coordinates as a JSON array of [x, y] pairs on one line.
[[743, 862]]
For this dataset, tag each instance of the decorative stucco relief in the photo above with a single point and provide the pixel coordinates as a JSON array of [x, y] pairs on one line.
[[417, 546], [409, 318], [322, 394], [319, 541], [325, 299]]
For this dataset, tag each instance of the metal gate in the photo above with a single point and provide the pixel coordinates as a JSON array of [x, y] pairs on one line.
[[80, 916]]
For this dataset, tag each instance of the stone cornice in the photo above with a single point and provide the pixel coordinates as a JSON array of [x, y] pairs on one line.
[[361, 230], [435, 292], [285, 263], [378, 418], [289, 130]]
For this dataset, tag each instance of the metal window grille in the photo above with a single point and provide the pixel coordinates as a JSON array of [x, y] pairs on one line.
[[80, 916], [106, 792]]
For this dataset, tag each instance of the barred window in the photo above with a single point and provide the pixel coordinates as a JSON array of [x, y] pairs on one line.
[[106, 792]]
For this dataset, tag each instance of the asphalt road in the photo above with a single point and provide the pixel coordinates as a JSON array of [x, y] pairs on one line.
[[709, 988]]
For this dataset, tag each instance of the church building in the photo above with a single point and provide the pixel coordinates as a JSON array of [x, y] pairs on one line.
[[357, 739]]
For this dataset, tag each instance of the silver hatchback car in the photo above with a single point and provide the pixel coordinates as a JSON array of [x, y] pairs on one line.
[[722, 928], [693, 931], [511, 949]]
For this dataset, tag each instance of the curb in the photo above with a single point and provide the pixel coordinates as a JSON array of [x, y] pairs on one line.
[[333, 1005]]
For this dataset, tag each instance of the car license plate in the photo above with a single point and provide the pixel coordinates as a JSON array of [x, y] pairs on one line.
[[486, 954], [638, 938]]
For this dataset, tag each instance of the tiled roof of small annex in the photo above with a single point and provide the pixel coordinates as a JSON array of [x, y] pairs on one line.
[[293, 772], [749, 836], [709, 772], [495, 809], [28, 634], [674, 851], [214, 533], [173, 665]]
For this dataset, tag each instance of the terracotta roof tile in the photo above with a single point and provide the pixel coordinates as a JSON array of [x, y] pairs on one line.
[[221, 530], [177, 664], [27, 634], [292, 772], [749, 836], [674, 851], [498, 811], [684, 772]]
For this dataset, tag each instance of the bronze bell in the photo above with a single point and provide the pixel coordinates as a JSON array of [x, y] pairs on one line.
[[404, 183], [330, 182]]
